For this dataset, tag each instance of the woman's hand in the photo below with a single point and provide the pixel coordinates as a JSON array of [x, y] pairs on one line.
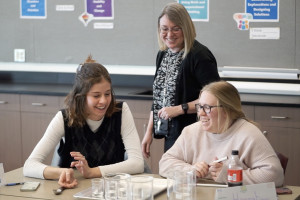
[[215, 169], [146, 143], [81, 164], [147, 140], [170, 112], [201, 169], [66, 179]]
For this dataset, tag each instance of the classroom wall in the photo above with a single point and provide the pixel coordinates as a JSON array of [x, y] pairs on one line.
[[297, 35], [62, 38]]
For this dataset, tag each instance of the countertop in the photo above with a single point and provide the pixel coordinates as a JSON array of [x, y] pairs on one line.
[[282, 89], [63, 90], [130, 93]]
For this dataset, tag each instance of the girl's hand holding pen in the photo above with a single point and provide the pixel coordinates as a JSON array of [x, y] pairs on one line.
[[82, 166], [216, 166], [203, 169]]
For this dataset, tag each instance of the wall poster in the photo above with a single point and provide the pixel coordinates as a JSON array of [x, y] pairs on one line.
[[33, 9], [263, 10], [198, 10], [97, 9]]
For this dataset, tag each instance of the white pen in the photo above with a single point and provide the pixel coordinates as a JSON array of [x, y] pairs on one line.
[[221, 159]]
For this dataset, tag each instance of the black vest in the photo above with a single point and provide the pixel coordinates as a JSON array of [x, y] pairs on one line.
[[103, 147]]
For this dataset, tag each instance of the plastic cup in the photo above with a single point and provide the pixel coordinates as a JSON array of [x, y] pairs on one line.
[[181, 185], [141, 188], [98, 188], [116, 186]]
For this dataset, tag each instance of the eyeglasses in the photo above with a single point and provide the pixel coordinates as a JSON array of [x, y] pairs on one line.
[[206, 108], [165, 30]]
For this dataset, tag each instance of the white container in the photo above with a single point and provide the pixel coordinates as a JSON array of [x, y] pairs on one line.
[[182, 185], [141, 188], [116, 186], [98, 188]]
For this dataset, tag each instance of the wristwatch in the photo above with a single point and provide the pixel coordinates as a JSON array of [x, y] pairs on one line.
[[185, 107]]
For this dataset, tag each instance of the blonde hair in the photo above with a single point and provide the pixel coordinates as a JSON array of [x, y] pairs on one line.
[[88, 74], [228, 97], [179, 16]]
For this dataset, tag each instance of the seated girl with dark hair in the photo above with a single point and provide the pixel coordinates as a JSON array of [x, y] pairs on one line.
[[93, 130]]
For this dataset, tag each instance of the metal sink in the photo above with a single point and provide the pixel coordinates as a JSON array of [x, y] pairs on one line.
[[144, 93]]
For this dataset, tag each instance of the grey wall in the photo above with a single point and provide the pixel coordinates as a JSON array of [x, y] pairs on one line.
[[297, 24], [62, 38]]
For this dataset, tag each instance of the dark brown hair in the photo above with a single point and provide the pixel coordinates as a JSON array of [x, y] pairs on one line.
[[87, 74]]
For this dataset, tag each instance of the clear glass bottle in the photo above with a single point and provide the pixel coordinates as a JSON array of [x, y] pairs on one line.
[[235, 170]]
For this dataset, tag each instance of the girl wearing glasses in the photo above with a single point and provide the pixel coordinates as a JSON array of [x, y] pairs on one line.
[[93, 131], [183, 67], [222, 127]]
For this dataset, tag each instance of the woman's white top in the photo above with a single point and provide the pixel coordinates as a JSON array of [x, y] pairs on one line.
[[34, 166]]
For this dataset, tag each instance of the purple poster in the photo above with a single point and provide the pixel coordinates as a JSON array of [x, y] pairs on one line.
[[100, 8]]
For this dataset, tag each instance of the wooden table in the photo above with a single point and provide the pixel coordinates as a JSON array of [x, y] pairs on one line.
[[46, 187]]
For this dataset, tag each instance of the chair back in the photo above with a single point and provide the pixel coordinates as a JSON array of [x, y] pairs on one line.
[[56, 157], [283, 160]]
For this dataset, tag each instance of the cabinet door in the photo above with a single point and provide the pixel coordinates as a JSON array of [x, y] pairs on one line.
[[249, 111], [141, 126], [10, 140], [286, 141], [139, 108], [282, 128], [278, 116], [36, 114], [10, 132], [156, 150], [34, 126], [141, 111], [40, 104]]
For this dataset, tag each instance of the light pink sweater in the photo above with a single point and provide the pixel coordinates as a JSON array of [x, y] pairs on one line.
[[260, 163]]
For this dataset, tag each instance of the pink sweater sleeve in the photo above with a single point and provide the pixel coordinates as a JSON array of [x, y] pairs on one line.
[[196, 145]]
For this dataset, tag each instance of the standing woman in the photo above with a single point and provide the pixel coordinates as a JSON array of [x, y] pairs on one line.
[[183, 67], [94, 132]]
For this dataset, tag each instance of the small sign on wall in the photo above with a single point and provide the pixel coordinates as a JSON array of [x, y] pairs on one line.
[[265, 33], [65, 7]]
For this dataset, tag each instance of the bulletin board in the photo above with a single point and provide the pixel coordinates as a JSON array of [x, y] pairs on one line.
[[131, 39]]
